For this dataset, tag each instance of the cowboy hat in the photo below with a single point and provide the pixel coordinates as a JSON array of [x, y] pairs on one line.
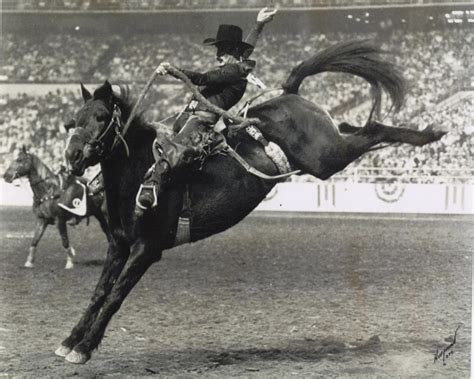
[[228, 34]]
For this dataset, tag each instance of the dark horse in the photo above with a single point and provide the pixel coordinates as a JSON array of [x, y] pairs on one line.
[[48, 189], [221, 192]]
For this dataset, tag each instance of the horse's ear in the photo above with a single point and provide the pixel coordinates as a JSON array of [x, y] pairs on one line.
[[104, 92], [86, 95], [117, 90], [70, 125]]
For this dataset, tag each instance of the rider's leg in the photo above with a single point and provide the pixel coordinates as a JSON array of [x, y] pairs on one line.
[[170, 155]]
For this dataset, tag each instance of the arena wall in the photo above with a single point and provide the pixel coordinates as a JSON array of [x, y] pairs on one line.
[[335, 197], [371, 198]]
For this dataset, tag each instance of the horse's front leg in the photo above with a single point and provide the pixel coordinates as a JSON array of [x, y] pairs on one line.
[[70, 252], [117, 255], [142, 256], [40, 227], [104, 225]]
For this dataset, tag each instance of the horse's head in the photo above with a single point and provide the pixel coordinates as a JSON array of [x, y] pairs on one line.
[[21, 166], [93, 131]]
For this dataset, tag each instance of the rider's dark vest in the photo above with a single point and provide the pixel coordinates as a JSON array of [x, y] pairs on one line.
[[224, 86]]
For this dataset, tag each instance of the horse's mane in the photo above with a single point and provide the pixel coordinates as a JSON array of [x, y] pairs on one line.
[[125, 101], [47, 175], [42, 169], [139, 127]]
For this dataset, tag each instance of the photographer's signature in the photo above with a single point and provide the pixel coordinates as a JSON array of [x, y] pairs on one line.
[[445, 353]]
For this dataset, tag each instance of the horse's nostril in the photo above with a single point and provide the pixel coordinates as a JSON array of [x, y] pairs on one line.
[[77, 156], [74, 157]]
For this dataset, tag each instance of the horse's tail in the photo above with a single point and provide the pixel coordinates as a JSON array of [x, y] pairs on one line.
[[358, 58]]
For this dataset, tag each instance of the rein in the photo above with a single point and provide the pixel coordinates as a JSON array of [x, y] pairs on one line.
[[40, 181], [243, 111], [241, 122], [116, 121], [47, 197]]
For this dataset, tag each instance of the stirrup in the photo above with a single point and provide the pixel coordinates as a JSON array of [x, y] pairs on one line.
[[155, 198]]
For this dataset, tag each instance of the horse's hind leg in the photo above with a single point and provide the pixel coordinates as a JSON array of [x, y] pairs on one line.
[[141, 258], [403, 135], [346, 128], [40, 227], [116, 258], [70, 252], [330, 153]]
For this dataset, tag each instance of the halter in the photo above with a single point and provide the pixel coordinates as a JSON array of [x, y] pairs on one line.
[[115, 124]]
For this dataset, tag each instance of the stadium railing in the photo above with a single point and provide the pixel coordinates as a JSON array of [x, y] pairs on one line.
[[404, 175]]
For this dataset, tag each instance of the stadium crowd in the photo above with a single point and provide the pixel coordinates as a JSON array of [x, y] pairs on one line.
[[121, 5], [435, 64]]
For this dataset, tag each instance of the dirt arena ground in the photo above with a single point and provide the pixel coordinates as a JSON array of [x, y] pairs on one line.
[[325, 296]]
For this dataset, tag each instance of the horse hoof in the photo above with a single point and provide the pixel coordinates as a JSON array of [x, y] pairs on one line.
[[29, 265], [62, 351], [437, 131], [69, 265], [77, 358]]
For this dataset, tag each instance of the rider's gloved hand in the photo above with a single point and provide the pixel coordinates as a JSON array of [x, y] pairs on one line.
[[266, 15], [162, 69]]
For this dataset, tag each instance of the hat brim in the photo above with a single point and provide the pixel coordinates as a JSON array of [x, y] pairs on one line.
[[241, 44]]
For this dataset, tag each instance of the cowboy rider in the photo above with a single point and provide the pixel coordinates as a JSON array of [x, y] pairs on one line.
[[223, 86]]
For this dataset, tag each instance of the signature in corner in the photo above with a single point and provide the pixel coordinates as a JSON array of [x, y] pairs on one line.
[[447, 351]]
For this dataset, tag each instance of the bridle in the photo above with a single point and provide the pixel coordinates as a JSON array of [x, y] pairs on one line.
[[17, 175], [40, 200], [116, 125]]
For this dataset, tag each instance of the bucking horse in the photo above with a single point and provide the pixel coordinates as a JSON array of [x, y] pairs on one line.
[[219, 190], [50, 194]]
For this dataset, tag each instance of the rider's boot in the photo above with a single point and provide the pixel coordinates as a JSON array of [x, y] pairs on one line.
[[148, 192], [172, 157]]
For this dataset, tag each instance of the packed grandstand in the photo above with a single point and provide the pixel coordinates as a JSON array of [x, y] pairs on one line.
[[112, 5], [436, 64]]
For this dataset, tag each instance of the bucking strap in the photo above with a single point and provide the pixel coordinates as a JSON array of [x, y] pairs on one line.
[[273, 151], [183, 231], [231, 152]]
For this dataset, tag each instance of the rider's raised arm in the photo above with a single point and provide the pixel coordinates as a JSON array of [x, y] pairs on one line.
[[263, 17]]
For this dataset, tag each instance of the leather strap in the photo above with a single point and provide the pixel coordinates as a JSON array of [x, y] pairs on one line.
[[253, 170], [183, 231]]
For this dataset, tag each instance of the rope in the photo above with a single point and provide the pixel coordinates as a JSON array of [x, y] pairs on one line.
[[251, 100], [241, 123], [140, 99]]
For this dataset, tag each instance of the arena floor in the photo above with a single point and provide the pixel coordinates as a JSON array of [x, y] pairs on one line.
[[308, 296]]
